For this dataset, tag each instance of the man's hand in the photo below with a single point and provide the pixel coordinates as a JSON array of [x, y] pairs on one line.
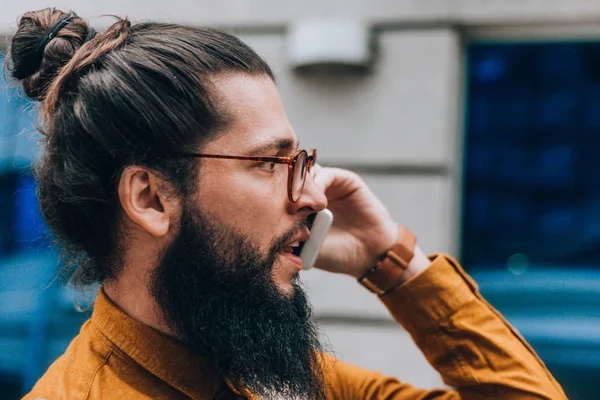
[[362, 228]]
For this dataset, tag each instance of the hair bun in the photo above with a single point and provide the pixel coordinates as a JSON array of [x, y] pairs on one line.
[[34, 64]]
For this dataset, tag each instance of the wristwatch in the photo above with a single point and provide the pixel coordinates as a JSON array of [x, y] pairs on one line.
[[386, 275]]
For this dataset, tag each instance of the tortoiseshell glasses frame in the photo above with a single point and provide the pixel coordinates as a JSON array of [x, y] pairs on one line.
[[298, 166]]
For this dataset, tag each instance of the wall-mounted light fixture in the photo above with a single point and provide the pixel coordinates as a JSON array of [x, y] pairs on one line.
[[329, 43]]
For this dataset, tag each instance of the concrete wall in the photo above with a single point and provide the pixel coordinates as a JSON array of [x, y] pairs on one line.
[[402, 115], [269, 13], [399, 126]]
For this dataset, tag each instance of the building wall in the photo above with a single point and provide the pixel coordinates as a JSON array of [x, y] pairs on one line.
[[398, 126]]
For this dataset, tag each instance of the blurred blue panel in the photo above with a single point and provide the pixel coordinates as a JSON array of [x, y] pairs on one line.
[[490, 69], [532, 139], [37, 316], [531, 200], [29, 227], [7, 216]]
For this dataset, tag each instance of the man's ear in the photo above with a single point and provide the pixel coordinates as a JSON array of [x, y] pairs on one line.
[[143, 198]]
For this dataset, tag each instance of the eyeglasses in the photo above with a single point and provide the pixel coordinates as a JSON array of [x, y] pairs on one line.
[[298, 167]]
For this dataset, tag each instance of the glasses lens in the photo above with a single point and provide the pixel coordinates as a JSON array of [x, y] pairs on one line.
[[313, 163], [299, 176]]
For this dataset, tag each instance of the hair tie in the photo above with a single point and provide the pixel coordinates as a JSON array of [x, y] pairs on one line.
[[57, 27], [90, 35]]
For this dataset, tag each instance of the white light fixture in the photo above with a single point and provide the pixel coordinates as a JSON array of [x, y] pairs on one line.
[[329, 42]]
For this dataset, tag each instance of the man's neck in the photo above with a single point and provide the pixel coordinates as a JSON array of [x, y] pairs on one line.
[[130, 293]]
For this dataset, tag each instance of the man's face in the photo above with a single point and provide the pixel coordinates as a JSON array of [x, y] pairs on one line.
[[226, 284], [248, 196]]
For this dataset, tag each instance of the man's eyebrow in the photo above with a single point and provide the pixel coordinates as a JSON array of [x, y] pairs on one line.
[[277, 144]]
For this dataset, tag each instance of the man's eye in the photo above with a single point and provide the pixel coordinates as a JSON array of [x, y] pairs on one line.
[[266, 165]]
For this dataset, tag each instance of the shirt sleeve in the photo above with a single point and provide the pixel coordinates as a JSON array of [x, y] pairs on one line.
[[463, 337]]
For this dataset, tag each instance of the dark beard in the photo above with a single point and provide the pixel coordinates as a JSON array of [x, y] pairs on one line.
[[217, 294]]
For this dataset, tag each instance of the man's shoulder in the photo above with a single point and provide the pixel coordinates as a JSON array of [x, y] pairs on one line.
[[93, 368], [72, 374]]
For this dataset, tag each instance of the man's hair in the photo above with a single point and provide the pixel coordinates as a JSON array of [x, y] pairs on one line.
[[132, 95]]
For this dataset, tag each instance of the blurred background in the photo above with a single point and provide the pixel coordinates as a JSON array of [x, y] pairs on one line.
[[476, 122]]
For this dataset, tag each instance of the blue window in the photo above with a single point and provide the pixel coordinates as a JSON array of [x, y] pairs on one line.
[[21, 226], [531, 200], [532, 164], [36, 323]]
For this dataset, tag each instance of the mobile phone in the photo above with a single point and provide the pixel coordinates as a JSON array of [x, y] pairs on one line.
[[309, 250]]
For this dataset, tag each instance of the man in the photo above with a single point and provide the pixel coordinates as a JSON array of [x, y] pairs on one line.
[[172, 176]]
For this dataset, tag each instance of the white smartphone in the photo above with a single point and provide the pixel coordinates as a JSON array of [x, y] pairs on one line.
[[309, 250]]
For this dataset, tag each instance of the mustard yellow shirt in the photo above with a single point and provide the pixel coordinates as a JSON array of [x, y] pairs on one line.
[[472, 346]]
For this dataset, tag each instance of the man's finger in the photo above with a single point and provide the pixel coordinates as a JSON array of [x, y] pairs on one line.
[[322, 177]]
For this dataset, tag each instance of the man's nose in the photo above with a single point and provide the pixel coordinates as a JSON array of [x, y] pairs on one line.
[[312, 196]]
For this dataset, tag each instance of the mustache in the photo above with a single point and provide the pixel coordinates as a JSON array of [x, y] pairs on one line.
[[283, 240]]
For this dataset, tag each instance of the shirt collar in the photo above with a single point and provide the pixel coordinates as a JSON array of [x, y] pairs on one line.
[[156, 352]]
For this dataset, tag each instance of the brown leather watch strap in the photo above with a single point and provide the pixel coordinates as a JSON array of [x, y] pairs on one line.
[[386, 275]]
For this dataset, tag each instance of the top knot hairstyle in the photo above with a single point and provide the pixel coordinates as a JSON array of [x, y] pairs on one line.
[[133, 94]]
